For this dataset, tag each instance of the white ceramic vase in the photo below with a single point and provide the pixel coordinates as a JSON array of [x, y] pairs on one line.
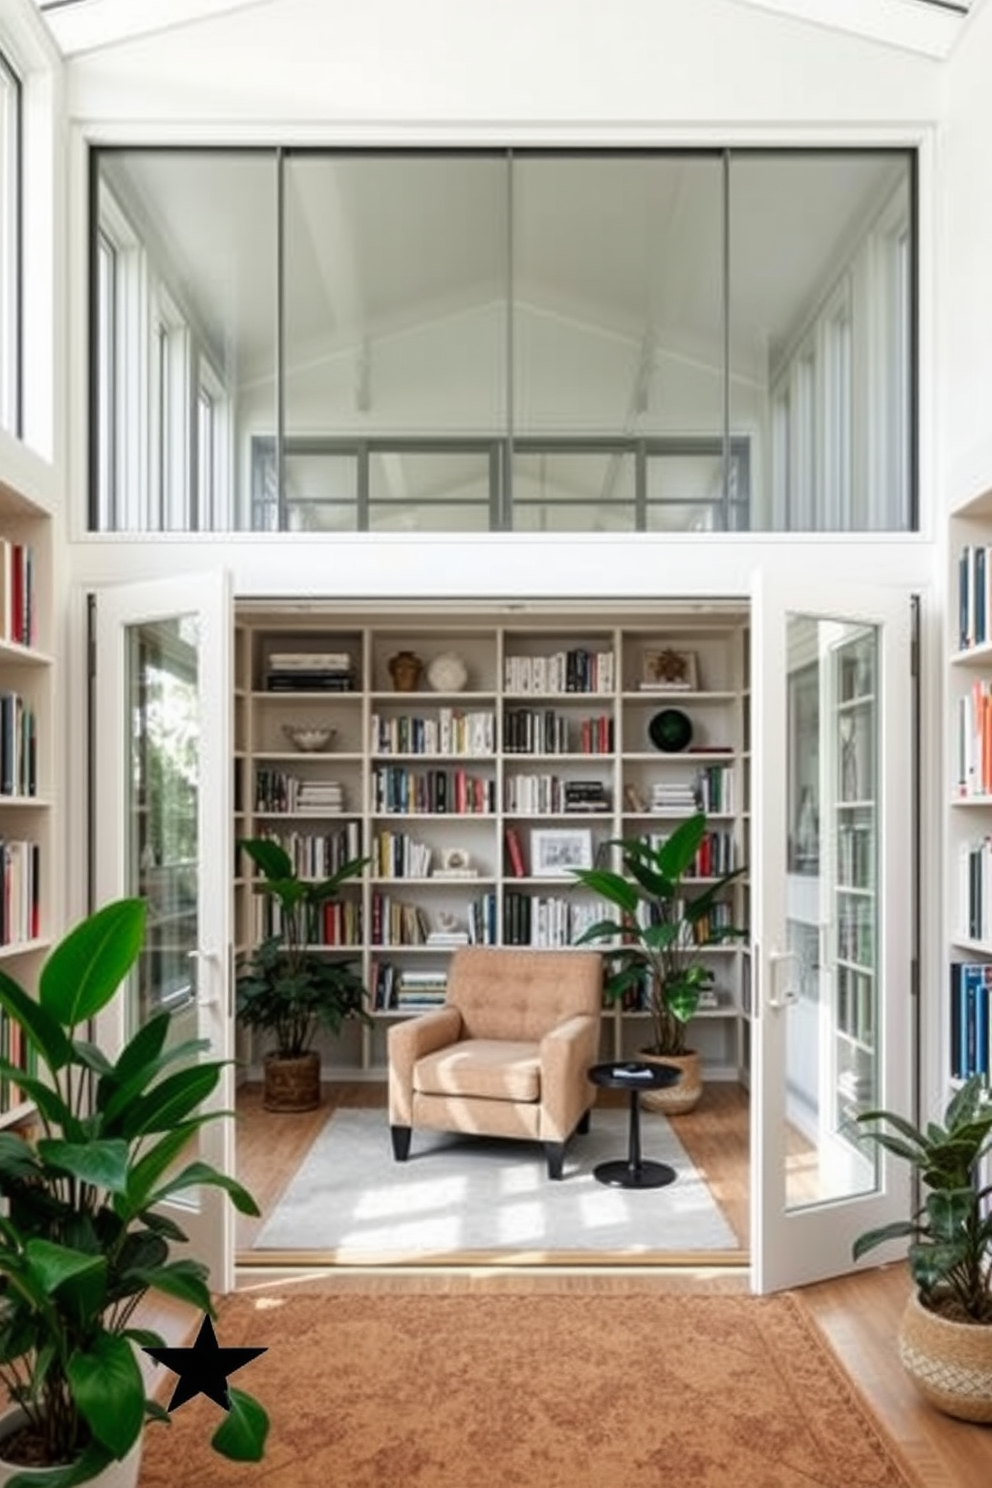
[[122, 1474]]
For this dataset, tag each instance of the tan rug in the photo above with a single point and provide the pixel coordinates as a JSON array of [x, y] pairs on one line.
[[547, 1391]]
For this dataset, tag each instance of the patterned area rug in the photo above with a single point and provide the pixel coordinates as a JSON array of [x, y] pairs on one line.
[[483, 1196], [580, 1390]]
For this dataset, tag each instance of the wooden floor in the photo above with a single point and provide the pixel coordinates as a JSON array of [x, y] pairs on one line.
[[859, 1314]]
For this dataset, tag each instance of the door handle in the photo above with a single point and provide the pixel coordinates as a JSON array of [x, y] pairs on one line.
[[776, 959], [212, 959]]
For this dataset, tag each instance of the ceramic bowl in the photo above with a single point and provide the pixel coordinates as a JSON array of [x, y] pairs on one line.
[[309, 738]]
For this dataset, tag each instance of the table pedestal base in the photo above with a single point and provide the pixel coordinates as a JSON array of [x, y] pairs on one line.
[[620, 1174]]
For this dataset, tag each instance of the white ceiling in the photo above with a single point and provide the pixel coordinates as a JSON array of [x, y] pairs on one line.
[[931, 27]]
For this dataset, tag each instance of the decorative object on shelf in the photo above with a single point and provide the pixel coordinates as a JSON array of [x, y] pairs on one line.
[[456, 862], [554, 852], [405, 669], [309, 738], [670, 730], [81, 1242], [659, 953], [289, 989], [669, 670], [945, 1336], [447, 672]]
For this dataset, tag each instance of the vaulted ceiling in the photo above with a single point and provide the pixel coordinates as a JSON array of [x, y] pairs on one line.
[[931, 27]]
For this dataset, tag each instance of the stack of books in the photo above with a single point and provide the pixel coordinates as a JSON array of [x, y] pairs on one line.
[[310, 671], [586, 795], [674, 798], [320, 797], [421, 989]]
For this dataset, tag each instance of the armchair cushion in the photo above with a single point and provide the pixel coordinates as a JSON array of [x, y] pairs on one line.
[[495, 1069]]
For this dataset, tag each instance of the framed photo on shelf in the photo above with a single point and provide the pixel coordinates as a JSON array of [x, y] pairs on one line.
[[553, 851], [666, 668]]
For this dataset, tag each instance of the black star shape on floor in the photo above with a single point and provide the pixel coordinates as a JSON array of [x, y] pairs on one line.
[[204, 1367]]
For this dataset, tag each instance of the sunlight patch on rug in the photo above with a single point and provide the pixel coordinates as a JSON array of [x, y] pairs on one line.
[[460, 1194]]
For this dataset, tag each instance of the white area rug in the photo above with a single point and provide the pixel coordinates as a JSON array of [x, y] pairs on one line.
[[458, 1195]]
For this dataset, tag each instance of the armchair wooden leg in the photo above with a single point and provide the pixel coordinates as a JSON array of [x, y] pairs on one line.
[[583, 1126], [555, 1153], [401, 1141]]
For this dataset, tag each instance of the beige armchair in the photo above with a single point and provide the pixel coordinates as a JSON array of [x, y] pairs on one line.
[[506, 1055]]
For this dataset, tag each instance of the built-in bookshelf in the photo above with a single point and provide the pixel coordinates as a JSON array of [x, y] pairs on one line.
[[968, 985], [473, 805], [26, 761]]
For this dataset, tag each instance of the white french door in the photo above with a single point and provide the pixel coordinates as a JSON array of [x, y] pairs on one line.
[[831, 847], [162, 786]]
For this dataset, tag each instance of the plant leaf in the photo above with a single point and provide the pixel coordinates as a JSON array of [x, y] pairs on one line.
[[88, 965], [94, 1459], [200, 1172], [184, 1279], [242, 1433], [103, 1163], [44, 1031], [171, 1100], [109, 1391]]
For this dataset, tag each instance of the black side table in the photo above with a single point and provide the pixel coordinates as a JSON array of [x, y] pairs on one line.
[[634, 1077]]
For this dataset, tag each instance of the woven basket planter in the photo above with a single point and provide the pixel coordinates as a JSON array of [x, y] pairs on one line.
[[678, 1099], [292, 1084], [950, 1363]]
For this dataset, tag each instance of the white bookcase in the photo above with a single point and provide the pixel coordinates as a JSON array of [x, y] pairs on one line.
[[470, 804], [965, 1034], [26, 760]]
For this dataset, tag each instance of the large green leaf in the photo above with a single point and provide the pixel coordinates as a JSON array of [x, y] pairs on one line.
[[612, 887], [171, 1100], [199, 1172], [899, 1229], [42, 1029], [102, 1163], [109, 1391], [49, 1102], [115, 1095], [184, 1279], [52, 1265], [677, 853], [149, 1168], [242, 1433], [273, 860], [16, 1158], [88, 965]]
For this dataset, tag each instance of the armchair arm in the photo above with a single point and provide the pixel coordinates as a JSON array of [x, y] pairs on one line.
[[409, 1041], [567, 1052]]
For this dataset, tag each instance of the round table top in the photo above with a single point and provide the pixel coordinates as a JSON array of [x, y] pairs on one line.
[[633, 1074]]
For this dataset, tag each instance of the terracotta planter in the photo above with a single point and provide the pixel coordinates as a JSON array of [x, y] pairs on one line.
[[679, 1099], [292, 1084], [950, 1363], [123, 1474]]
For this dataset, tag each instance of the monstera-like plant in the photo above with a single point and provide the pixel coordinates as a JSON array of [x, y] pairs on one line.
[[82, 1240]]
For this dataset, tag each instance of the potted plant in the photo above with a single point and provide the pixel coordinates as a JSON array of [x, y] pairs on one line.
[[659, 933], [289, 990], [945, 1336], [81, 1242]]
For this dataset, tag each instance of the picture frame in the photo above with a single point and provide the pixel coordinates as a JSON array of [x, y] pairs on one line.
[[669, 669], [554, 851]]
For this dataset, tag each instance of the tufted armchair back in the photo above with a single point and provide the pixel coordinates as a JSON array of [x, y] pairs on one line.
[[521, 994]]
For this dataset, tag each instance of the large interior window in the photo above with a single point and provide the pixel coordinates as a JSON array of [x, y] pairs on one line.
[[10, 249], [461, 341]]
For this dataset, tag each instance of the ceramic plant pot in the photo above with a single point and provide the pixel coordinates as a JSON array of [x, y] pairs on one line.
[[950, 1363], [123, 1474], [678, 1099]]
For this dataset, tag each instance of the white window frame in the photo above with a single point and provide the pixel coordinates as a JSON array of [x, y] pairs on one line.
[[124, 331], [11, 233], [169, 414]]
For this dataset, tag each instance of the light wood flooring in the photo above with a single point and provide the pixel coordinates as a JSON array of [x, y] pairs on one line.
[[859, 1314]]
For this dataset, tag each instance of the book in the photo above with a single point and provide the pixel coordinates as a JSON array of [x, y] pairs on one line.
[[515, 853]]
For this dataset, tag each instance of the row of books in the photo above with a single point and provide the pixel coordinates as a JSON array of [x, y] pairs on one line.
[[20, 891], [855, 1013], [17, 598], [855, 843], [574, 670], [281, 791], [336, 923], [974, 896], [547, 731], [15, 1050], [971, 1018], [310, 671], [18, 746], [545, 920], [974, 595], [396, 788], [716, 856], [973, 740], [392, 988], [320, 854], [398, 855], [450, 732], [537, 795]]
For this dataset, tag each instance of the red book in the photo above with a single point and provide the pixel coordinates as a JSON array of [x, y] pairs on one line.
[[515, 853]]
